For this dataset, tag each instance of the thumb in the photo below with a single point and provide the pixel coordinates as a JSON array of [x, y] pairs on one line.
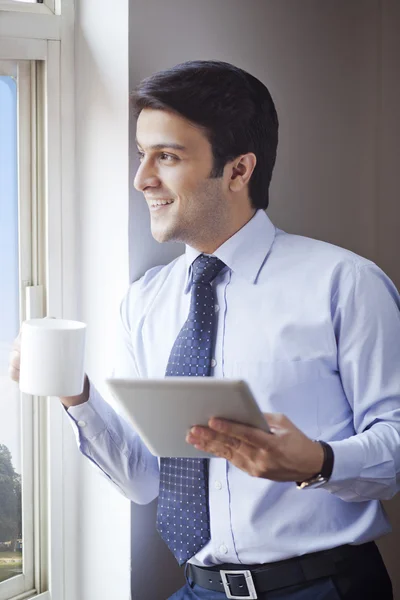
[[278, 423]]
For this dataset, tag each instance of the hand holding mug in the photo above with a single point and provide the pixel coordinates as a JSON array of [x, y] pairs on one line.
[[47, 358]]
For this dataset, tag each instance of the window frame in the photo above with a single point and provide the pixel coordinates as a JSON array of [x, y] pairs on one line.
[[45, 8], [25, 36], [24, 73]]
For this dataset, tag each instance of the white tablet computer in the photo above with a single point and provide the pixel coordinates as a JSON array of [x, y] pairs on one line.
[[162, 411]]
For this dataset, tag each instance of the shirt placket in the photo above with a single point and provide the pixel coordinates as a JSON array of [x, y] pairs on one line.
[[223, 546]]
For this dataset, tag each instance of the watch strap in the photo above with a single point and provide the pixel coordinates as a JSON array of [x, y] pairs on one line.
[[327, 466], [326, 470]]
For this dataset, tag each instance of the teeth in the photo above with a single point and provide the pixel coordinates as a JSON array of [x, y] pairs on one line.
[[162, 203]]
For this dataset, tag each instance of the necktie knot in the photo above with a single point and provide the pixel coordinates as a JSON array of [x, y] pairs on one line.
[[206, 268]]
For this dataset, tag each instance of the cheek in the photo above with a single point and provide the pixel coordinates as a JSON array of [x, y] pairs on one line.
[[184, 181], [176, 183]]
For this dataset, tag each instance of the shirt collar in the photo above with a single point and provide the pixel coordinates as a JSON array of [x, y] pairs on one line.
[[244, 253]]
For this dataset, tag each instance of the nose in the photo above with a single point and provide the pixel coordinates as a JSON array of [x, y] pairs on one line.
[[145, 177]]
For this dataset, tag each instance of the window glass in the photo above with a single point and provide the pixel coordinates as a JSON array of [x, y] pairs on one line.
[[10, 407]]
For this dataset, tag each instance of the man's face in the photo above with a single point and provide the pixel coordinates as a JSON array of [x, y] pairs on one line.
[[176, 159]]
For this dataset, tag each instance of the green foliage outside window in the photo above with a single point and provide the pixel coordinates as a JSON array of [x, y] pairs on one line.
[[10, 501]]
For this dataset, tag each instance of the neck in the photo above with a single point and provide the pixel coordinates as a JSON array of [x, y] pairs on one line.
[[210, 246]]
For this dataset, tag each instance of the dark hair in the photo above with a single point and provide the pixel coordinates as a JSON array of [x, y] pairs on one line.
[[234, 108]]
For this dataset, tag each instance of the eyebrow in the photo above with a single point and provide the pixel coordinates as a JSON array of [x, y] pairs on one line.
[[165, 145]]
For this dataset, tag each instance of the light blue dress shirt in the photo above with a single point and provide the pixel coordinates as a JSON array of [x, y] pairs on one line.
[[315, 331]]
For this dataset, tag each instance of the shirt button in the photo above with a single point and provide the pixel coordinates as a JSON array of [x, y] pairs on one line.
[[216, 308], [82, 423], [218, 485], [223, 549], [213, 362]]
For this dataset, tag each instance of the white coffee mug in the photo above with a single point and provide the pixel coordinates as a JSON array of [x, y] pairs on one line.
[[52, 357]]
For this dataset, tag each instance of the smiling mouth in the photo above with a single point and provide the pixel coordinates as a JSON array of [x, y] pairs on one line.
[[160, 204]]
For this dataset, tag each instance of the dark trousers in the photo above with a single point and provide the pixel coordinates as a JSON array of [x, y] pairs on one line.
[[363, 579]]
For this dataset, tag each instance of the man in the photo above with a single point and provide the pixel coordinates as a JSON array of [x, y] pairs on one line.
[[312, 327]]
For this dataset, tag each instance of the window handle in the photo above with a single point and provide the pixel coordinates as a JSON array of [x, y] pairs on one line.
[[34, 302]]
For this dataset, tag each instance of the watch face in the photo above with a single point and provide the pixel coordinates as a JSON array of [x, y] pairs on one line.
[[313, 482]]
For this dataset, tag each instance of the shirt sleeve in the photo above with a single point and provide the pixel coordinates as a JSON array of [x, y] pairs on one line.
[[106, 439], [366, 320]]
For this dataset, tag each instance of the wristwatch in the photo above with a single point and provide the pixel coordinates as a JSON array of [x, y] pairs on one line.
[[326, 470]]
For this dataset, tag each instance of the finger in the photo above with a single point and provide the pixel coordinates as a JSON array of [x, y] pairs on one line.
[[216, 448], [245, 459], [280, 424], [250, 435], [13, 373], [15, 359], [17, 342], [200, 434], [248, 458], [276, 419], [219, 444]]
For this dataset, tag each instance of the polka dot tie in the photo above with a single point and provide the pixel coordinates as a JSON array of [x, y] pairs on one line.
[[182, 515]]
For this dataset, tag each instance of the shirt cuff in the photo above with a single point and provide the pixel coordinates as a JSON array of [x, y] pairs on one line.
[[348, 463], [89, 419]]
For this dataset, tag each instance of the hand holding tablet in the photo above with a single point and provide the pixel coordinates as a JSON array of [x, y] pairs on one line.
[[162, 411]]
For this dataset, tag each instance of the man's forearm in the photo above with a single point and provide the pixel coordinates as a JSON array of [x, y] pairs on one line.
[[75, 400], [111, 444]]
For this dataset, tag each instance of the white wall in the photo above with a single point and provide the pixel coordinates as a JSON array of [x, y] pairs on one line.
[[332, 69], [98, 541]]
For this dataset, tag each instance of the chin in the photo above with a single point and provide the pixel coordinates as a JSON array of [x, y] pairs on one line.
[[162, 235]]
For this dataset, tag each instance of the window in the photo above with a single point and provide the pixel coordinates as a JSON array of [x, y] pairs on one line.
[[10, 423], [16, 417], [37, 6], [36, 170]]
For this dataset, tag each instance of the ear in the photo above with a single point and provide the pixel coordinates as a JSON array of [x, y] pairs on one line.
[[241, 170]]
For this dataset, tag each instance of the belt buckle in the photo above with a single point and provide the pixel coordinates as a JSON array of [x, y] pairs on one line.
[[249, 582]]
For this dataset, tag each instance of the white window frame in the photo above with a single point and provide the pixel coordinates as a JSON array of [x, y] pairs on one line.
[[47, 7], [44, 33], [23, 73]]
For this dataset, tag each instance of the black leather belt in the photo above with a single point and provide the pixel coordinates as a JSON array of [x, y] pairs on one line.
[[246, 581]]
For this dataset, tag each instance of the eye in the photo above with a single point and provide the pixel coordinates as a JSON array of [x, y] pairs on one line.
[[164, 156], [168, 157]]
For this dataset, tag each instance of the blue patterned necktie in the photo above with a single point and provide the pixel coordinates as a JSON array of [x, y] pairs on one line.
[[182, 514]]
